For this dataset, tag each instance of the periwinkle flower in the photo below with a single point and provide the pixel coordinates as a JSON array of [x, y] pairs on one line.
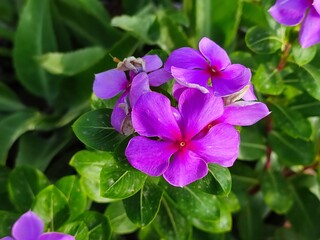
[[294, 12], [30, 227], [178, 143], [209, 69], [143, 73]]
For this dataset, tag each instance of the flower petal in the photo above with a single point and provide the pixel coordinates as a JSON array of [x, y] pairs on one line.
[[197, 111], [244, 113], [139, 86], [7, 238], [191, 78], [316, 5], [153, 62], [152, 117], [310, 29], [289, 13], [149, 156], [56, 236], [109, 83], [28, 227], [159, 77], [120, 111], [231, 80], [220, 145], [249, 95], [187, 58], [177, 90], [216, 55], [185, 168]]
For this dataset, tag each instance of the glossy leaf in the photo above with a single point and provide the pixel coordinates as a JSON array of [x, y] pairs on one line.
[[51, 205], [76, 197], [119, 221], [23, 185], [97, 224], [36, 16], [6, 221], [292, 151], [9, 101], [309, 77], [303, 56], [291, 122], [276, 191], [77, 229], [12, 127], [252, 145], [261, 41], [89, 165], [71, 63], [142, 207], [94, 129]]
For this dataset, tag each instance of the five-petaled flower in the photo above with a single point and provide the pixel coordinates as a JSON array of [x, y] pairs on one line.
[[30, 227], [209, 69], [143, 72], [187, 139], [294, 12]]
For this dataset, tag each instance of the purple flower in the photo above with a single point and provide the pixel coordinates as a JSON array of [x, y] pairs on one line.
[[179, 143], [209, 69], [30, 227], [294, 12], [112, 82]]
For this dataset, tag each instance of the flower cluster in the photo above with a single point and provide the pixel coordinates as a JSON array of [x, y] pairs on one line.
[[30, 227], [294, 12], [213, 96]]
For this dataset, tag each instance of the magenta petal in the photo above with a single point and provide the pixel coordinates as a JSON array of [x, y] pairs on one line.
[[197, 111], [28, 227], [119, 113], [310, 29], [185, 168], [316, 5], [177, 90], [56, 236], [249, 95], [216, 55], [108, 84], [139, 86], [7, 238], [244, 113], [231, 80], [153, 62], [191, 78], [220, 145], [152, 117], [159, 77], [187, 58], [149, 156], [289, 12]]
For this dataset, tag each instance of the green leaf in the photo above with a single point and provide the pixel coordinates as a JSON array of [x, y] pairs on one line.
[[77, 229], [97, 224], [276, 191], [304, 214], [24, 184], [76, 197], [119, 221], [223, 177], [170, 224], [89, 165], [252, 145], [6, 222], [94, 129], [303, 56], [142, 207], [288, 234], [291, 122], [306, 105], [268, 81], [309, 77], [262, 41], [51, 206], [119, 181], [71, 63], [47, 148], [9, 100], [137, 25], [292, 151], [36, 16], [12, 127], [194, 203]]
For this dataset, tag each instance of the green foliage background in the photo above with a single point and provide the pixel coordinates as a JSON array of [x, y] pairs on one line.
[[49, 53]]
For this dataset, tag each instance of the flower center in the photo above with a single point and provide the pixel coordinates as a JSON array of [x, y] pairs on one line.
[[182, 144]]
